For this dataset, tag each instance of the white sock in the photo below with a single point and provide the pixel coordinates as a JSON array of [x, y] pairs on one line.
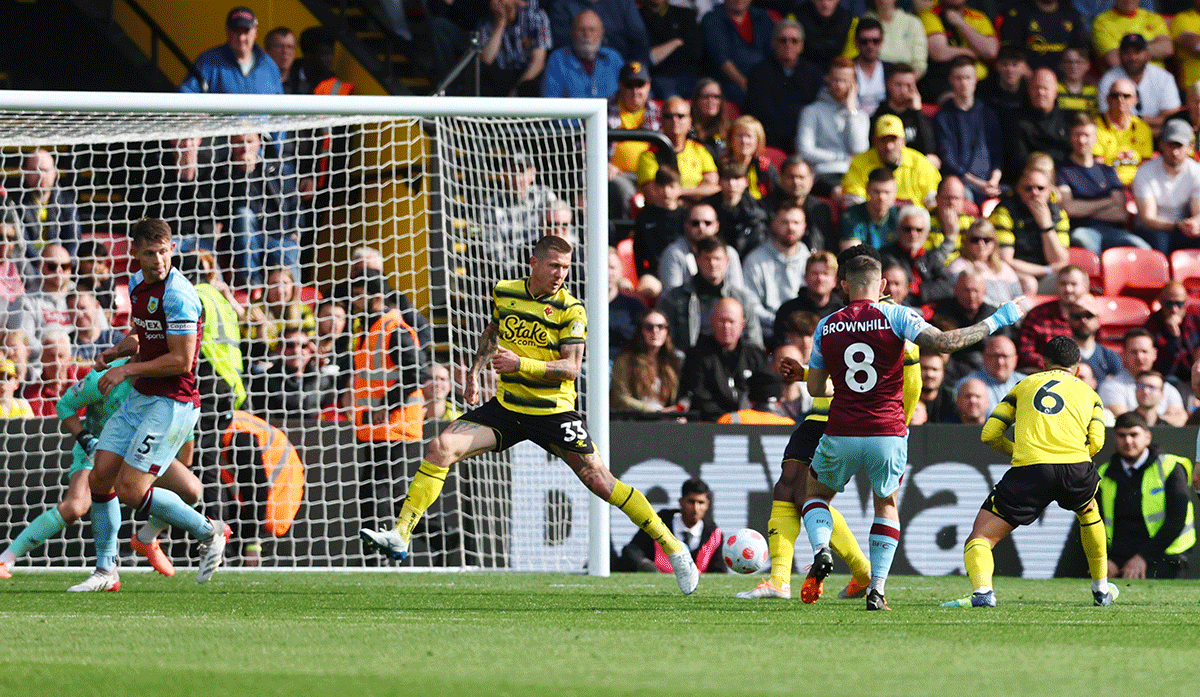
[[983, 589], [1100, 586], [7, 558]]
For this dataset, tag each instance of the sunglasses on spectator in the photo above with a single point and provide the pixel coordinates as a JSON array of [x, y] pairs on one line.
[[1082, 315], [54, 266], [789, 39], [1174, 303], [978, 239], [697, 223], [911, 228]]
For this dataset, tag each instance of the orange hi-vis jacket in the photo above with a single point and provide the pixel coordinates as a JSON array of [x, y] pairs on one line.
[[375, 374], [281, 464]]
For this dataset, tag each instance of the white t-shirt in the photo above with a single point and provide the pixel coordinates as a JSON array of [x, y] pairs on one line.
[[1122, 389], [1156, 92], [1173, 194]]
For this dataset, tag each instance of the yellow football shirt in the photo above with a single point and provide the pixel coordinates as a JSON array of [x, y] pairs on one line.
[[1110, 26], [1057, 420], [1187, 62], [694, 162], [536, 328], [1123, 149], [931, 18], [916, 178]]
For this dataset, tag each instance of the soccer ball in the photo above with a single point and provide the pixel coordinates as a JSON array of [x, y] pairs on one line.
[[745, 551]]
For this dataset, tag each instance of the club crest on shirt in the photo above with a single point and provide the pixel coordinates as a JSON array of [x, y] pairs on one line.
[[152, 305]]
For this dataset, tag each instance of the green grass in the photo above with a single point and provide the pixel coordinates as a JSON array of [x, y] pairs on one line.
[[311, 634]]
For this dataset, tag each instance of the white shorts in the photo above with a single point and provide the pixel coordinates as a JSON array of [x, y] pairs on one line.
[[147, 431]]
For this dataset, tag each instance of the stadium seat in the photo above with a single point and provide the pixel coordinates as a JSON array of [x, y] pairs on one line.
[[971, 208], [1185, 268], [930, 110], [118, 250], [775, 156], [1140, 273], [732, 110], [311, 296], [1035, 300], [1087, 260], [628, 264], [1119, 314]]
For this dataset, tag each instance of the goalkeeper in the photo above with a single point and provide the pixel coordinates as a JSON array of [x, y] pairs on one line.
[[535, 341], [85, 395]]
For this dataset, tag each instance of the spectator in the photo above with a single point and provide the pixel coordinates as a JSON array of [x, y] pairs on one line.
[[916, 179], [689, 307], [1076, 90], [450, 26], [319, 45], [439, 395], [1085, 374], [238, 66], [514, 40], [1167, 192], [180, 191], [691, 525], [1190, 113], [331, 346], [675, 46], [12, 406], [968, 134], [1176, 331], [781, 85], [937, 397], [1120, 392], [710, 117], [1185, 36], [1040, 127], [48, 211], [1146, 504], [1124, 18], [58, 372], [560, 221], [697, 170], [1154, 95], [904, 38], [795, 185], [833, 129], [645, 373], [1006, 89], [743, 223], [747, 142], [1091, 192], [512, 219], [981, 254], [280, 44], [45, 308], [630, 108], [999, 373], [897, 281], [1050, 319], [737, 37], [966, 307], [816, 295], [15, 269], [971, 404], [1032, 230], [826, 25], [775, 270], [678, 260], [585, 67], [874, 221], [624, 32], [623, 309], [717, 369], [930, 281], [1149, 395], [904, 102], [258, 198], [949, 217], [1084, 321], [92, 333], [794, 401], [1045, 29], [659, 223], [16, 347], [953, 30], [1090, 9], [294, 387], [279, 308], [765, 393], [868, 68]]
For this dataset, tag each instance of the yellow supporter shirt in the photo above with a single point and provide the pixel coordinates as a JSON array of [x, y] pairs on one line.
[[1086, 100], [536, 328], [1007, 228], [1110, 25], [916, 178], [694, 162], [1057, 420], [1187, 62], [1123, 149], [931, 18], [626, 152]]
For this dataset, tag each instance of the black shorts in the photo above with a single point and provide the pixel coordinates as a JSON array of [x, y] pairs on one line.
[[566, 431], [803, 443], [1024, 492]]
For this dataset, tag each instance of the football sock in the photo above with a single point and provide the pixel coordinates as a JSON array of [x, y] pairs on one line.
[[782, 530], [843, 544], [1095, 547], [166, 505], [885, 535], [633, 503], [425, 488], [818, 522], [43, 527], [150, 530], [106, 520], [977, 557]]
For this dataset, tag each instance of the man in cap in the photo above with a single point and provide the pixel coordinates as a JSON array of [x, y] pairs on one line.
[[1167, 191], [916, 179], [629, 108], [1155, 94], [238, 66]]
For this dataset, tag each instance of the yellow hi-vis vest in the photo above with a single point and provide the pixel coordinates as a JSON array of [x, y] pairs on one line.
[[374, 375], [1154, 500], [281, 465], [221, 342]]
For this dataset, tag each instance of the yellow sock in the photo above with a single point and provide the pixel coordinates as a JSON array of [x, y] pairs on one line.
[[424, 490], [977, 556], [1095, 543], [634, 504], [782, 530], [844, 545]]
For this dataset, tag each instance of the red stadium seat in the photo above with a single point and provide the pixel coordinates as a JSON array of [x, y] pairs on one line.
[[1119, 314], [311, 296], [1185, 268], [628, 264], [775, 156], [1140, 273], [118, 250], [1087, 260]]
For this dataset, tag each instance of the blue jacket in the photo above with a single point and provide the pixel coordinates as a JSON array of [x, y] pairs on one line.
[[220, 69], [624, 30], [565, 76], [968, 141], [722, 42]]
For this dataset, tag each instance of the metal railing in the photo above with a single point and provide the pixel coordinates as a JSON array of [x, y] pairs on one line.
[[474, 55], [160, 37]]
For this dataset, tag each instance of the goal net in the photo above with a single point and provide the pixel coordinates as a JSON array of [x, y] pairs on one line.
[[293, 213]]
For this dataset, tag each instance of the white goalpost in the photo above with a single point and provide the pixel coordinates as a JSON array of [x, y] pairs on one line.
[[452, 192]]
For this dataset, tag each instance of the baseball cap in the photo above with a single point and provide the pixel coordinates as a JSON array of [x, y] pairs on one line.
[[889, 125], [634, 71], [241, 18], [7, 367], [1177, 131], [1135, 42]]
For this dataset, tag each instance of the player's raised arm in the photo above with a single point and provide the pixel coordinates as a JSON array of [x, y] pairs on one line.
[[935, 339], [997, 424]]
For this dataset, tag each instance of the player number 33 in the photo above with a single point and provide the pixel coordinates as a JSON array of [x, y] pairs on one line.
[[574, 431]]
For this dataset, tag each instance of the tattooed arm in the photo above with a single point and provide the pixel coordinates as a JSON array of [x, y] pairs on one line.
[[566, 368], [934, 339], [489, 344]]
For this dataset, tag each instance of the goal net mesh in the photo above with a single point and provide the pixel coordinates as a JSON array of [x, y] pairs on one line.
[[451, 204]]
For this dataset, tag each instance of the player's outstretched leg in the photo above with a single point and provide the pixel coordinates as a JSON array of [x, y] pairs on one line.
[[633, 504], [45, 526], [179, 479], [782, 530], [425, 488], [843, 544], [988, 530], [1095, 548], [819, 523]]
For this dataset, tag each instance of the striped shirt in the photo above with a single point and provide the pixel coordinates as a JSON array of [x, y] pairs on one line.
[[536, 328]]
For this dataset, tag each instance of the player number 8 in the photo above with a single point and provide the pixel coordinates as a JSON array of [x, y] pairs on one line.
[[860, 374]]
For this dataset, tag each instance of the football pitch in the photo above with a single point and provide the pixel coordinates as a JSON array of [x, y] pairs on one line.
[[311, 634]]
